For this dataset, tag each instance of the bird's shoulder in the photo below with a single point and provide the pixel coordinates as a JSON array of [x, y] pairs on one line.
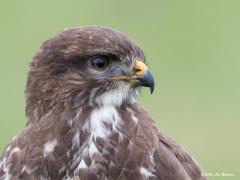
[[166, 153]]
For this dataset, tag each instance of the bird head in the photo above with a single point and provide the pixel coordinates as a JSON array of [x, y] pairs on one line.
[[84, 67]]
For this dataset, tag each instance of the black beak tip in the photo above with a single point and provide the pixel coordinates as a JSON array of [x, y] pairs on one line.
[[151, 85], [152, 89], [147, 80]]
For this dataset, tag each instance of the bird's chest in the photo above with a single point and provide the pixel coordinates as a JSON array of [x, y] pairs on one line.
[[115, 144]]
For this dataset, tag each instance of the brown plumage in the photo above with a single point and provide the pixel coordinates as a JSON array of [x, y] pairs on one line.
[[83, 118]]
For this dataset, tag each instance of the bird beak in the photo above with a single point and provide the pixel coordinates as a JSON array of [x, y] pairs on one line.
[[143, 75]]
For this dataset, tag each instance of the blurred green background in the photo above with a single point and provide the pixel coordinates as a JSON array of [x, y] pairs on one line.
[[192, 47]]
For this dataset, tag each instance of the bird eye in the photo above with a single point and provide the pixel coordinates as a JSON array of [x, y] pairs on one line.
[[100, 63]]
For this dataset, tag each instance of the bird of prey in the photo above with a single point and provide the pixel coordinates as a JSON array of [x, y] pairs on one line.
[[83, 119]]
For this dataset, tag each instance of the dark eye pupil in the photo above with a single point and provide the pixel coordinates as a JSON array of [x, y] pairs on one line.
[[99, 62]]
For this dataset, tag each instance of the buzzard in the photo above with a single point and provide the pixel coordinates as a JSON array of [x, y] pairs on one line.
[[83, 118]]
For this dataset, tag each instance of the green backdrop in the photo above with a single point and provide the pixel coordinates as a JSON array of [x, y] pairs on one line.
[[192, 47]]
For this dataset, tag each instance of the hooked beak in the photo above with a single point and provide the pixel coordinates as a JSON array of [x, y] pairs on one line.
[[141, 76]]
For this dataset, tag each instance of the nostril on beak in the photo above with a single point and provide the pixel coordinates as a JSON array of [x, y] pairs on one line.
[[138, 71], [139, 68]]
